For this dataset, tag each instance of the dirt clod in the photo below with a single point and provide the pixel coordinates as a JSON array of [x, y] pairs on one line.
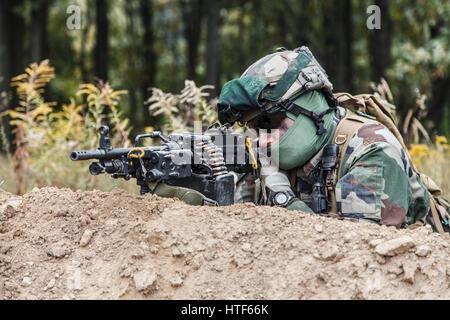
[[395, 246], [86, 237], [57, 251], [145, 280]]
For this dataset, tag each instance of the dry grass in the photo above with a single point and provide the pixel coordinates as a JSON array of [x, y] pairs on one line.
[[434, 161]]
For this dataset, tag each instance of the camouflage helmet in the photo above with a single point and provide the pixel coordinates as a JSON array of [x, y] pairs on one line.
[[270, 83]]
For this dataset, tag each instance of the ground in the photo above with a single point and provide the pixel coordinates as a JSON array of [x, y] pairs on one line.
[[60, 244]]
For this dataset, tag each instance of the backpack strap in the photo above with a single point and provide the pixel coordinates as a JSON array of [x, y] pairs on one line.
[[348, 125], [435, 215]]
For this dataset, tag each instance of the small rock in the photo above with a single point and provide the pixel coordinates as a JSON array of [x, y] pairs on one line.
[[26, 281], [61, 212], [50, 284], [4, 249], [395, 268], [246, 247], [89, 255], [10, 286], [143, 245], [7, 212], [373, 243], [395, 246], [145, 280], [318, 228], [409, 271], [176, 281], [349, 236], [332, 254], [197, 262], [423, 250], [380, 259], [57, 251], [138, 253], [86, 237], [154, 249], [177, 253]]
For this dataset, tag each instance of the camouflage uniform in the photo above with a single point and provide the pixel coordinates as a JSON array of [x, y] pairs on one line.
[[376, 180], [376, 184]]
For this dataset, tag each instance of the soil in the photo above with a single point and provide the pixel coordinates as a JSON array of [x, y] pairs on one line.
[[61, 244]]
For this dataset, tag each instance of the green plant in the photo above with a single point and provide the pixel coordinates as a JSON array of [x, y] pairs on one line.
[[181, 111], [45, 134]]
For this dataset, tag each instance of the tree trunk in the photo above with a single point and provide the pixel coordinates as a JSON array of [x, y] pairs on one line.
[[132, 59], [440, 87], [439, 100], [380, 43], [343, 39], [101, 47], [213, 53], [336, 47], [85, 27], [149, 57], [5, 42], [38, 37], [12, 38], [192, 19]]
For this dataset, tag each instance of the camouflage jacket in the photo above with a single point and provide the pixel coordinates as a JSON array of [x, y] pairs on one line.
[[376, 184]]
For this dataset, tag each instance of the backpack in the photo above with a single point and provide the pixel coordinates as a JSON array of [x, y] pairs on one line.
[[365, 108]]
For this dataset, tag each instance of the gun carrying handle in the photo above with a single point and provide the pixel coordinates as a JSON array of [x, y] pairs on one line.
[[153, 135]]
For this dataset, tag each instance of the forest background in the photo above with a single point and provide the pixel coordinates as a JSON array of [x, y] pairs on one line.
[[136, 45]]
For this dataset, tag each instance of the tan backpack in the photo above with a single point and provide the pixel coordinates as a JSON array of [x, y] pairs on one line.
[[382, 112]]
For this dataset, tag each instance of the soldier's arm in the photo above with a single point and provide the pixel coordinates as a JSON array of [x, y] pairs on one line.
[[276, 181], [379, 185]]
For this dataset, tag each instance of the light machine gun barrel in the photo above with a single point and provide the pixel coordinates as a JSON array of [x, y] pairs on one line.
[[201, 162]]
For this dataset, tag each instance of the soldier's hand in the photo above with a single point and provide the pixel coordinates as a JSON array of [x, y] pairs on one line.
[[187, 195], [297, 204]]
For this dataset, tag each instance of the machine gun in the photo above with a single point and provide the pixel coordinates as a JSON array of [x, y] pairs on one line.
[[202, 162]]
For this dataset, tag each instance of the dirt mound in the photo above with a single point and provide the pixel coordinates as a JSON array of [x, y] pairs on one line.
[[61, 244]]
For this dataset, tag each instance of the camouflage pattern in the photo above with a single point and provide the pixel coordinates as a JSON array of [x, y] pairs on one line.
[[245, 190], [272, 79], [272, 67], [377, 183]]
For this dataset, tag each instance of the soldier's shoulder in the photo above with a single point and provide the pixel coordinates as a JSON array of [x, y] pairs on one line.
[[371, 135]]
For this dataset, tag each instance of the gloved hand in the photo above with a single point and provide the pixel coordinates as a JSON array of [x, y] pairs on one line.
[[297, 204], [189, 196]]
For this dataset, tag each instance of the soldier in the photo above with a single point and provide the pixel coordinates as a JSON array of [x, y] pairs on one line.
[[288, 93]]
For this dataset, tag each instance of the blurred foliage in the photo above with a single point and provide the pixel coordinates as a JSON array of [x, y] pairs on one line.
[[181, 111], [434, 161], [249, 29], [45, 135]]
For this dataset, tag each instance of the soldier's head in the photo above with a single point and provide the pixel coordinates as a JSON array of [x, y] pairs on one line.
[[287, 97]]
